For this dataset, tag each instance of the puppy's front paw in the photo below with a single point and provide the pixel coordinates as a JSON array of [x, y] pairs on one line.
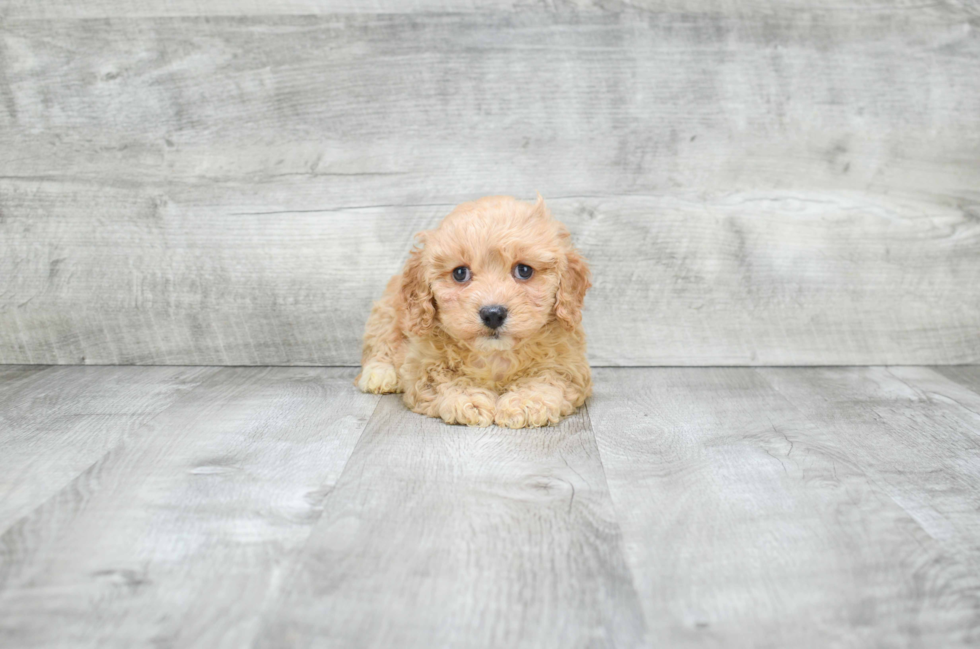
[[472, 407], [379, 378], [526, 408]]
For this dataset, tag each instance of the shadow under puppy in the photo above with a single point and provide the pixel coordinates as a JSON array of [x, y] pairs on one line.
[[484, 325]]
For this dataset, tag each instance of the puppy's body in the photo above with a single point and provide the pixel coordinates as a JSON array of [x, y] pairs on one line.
[[467, 337]]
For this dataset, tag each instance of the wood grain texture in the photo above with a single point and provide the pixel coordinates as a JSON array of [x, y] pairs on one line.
[[688, 507], [749, 278], [60, 9], [450, 536], [55, 423], [179, 535], [919, 441], [966, 375], [790, 187], [13, 376], [765, 508]]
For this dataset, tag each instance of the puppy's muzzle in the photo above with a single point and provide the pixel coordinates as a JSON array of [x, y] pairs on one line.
[[493, 315]]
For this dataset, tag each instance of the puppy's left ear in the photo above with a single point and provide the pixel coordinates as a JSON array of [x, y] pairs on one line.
[[572, 285]]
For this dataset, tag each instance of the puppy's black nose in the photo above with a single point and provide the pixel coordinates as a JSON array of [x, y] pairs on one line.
[[494, 315]]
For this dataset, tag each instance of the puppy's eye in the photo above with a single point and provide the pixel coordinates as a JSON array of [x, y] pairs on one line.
[[523, 271], [461, 274]]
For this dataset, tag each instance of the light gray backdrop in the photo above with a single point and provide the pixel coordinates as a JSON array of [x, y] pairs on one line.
[[233, 182]]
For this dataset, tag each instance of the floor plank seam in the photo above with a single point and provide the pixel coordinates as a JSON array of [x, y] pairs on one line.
[[872, 477], [125, 439], [627, 562], [294, 563]]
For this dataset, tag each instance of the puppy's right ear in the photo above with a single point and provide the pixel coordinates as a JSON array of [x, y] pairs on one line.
[[420, 304]]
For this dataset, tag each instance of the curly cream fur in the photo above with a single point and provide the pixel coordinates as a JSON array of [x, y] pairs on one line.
[[424, 336]]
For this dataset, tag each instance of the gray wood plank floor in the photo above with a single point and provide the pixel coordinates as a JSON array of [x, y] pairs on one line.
[[278, 507]]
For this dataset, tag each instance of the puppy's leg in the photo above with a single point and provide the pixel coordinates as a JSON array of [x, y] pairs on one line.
[[540, 400], [455, 400], [383, 343]]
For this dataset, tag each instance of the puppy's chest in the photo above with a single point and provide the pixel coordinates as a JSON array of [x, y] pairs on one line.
[[495, 367]]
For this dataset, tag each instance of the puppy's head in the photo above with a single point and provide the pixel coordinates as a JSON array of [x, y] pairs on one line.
[[493, 273]]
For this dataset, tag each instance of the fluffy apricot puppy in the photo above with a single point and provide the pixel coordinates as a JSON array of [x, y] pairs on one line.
[[483, 325]]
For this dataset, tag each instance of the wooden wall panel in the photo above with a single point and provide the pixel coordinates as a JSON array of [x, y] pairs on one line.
[[60, 9], [754, 184]]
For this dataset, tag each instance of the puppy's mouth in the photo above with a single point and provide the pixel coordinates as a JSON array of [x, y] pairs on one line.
[[494, 340], [495, 334]]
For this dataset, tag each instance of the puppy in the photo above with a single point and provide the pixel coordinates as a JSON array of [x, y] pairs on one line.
[[483, 326]]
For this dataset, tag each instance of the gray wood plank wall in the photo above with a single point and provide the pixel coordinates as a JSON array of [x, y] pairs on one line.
[[755, 183]]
